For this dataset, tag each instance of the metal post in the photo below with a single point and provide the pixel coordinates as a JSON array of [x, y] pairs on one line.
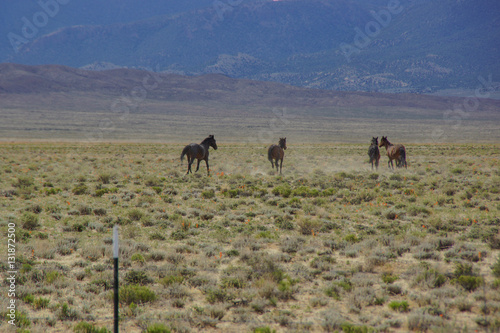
[[115, 259]]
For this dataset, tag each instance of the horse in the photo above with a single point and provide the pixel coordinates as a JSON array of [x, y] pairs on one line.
[[394, 152], [198, 151], [374, 152], [276, 152]]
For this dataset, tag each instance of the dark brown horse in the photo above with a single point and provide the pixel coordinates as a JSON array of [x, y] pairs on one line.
[[394, 152], [374, 152], [199, 151], [276, 153]]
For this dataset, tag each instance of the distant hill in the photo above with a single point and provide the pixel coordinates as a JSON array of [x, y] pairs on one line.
[[57, 102], [422, 46], [33, 81]]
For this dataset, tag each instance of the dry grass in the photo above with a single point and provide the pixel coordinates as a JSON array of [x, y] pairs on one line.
[[330, 245]]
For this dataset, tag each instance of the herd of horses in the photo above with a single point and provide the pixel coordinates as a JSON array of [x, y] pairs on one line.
[[395, 152], [276, 153]]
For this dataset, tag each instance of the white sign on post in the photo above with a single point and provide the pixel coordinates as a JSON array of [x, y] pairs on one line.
[[115, 241]]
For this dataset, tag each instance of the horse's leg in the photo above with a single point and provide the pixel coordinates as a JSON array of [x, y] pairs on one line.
[[281, 165], [277, 165], [376, 164], [190, 161], [198, 166], [208, 168]]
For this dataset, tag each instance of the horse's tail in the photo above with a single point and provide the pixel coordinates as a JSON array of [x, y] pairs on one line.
[[402, 156], [270, 154], [184, 152]]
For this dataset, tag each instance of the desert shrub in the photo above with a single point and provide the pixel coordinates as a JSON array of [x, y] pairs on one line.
[[423, 322], [80, 189], [282, 190], [84, 210], [21, 320], [457, 170], [284, 223], [218, 295], [176, 291], [391, 215], [351, 328], [389, 278], [233, 253], [105, 177], [84, 327], [470, 283], [135, 214], [294, 203], [393, 289], [308, 226], [431, 278], [444, 243], [450, 191], [400, 306], [496, 284], [30, 221], [157, 189], [206, 216], [209, 194], [100, 211], [495, 268], [178, 234], [157, 235], [152, 181], [323, 263], [101, 191], [333, 291], [50, 191], [426, 251], [137, 257], [67, 246], [136, 294], [37, 209], [104, 283], [171, 279], [24, 181], [351, 238], [52, 276], [137, 277], [264, 329], [332, 321], [157, 328], [304, 191], [463, 268], [157, 256], [292, 245], [415, 210], [67, 313]]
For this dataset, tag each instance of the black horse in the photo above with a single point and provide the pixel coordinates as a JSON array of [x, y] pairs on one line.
[[276, 152], [374, 152], [198, 151]]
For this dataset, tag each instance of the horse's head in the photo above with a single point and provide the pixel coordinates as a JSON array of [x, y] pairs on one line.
[[375, 141], [384, 141], [282, 143], [211, 142]]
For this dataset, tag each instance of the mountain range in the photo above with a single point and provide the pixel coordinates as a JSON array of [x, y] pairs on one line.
[[386, 46]]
